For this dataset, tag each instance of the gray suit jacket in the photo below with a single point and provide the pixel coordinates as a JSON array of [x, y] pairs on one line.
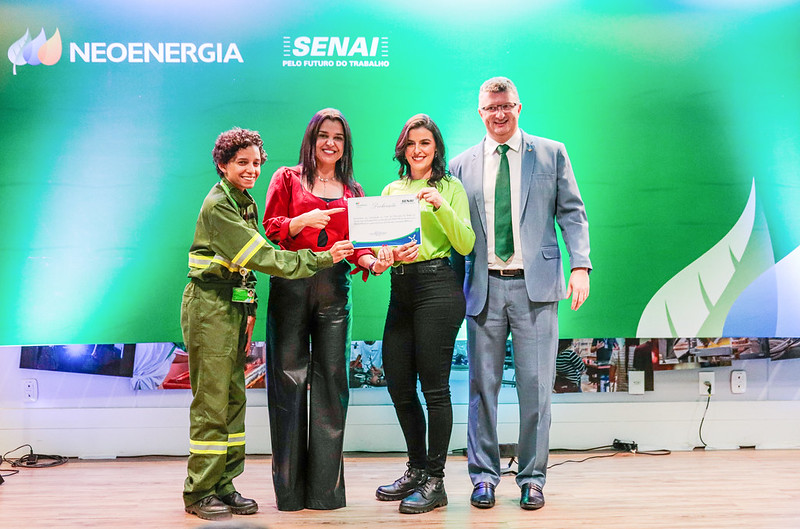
[[548, 192]]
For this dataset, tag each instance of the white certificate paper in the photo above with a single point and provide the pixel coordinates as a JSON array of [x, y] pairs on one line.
[[392, 220]]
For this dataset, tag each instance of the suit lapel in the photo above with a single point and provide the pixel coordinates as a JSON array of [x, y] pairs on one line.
[[526, 177], [476, 168]]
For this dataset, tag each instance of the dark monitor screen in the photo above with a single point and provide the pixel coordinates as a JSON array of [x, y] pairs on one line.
[[96, 359]]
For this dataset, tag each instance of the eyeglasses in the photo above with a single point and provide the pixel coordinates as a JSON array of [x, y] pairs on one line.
[[505, 107]]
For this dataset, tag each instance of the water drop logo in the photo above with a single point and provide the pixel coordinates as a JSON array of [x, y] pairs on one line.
[[40, 50]]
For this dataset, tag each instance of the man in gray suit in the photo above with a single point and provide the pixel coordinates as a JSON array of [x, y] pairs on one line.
[[517, 186]]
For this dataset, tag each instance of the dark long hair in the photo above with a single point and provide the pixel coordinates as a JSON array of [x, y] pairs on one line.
[[308, 155], [439, 166]]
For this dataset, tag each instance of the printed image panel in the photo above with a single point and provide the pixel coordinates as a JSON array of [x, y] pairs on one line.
[[92, 359]]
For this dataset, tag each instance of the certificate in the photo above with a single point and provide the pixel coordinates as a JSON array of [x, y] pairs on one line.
[[392, 220]]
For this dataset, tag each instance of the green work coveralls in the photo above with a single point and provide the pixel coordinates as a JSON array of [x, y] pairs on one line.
[[226, 240]]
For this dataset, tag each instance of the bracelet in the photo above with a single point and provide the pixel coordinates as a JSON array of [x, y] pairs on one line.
[[372, 268]]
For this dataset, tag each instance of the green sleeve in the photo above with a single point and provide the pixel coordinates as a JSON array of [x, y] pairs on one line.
[[453, 215], [236, 241]]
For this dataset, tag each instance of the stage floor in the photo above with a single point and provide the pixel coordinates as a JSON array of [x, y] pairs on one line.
[[739, 488]]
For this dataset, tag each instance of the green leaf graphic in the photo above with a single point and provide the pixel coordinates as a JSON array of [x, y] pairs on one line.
[[696, 300], [15, 51]]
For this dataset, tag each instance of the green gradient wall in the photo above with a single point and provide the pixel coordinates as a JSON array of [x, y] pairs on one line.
[[672, 114]]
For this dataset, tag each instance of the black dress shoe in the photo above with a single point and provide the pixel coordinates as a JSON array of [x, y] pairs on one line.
[[531, 498], [426, 497], [403, 486], [239, 504], [482, 495], [210, 508]]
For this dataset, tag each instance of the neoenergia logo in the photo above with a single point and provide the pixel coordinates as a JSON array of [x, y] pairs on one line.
[[40, 50]]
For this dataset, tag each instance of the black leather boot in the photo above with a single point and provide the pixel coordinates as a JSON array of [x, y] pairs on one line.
[[403, 486], [210, 508], [239, 504], [426, 497]]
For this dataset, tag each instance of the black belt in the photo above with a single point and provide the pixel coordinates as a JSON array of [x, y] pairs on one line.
[[422, 267], [518, 272]]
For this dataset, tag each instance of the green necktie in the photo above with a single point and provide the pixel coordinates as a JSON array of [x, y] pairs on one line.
[[503, 234]]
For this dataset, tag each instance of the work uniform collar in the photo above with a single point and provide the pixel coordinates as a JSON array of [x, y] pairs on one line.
[[242, 198]]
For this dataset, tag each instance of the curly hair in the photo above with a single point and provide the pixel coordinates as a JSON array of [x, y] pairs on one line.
[[439, 165], [308, 150], [232, 141]]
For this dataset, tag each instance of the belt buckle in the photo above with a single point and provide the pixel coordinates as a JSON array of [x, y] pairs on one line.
[[508, 273], [399, 270]]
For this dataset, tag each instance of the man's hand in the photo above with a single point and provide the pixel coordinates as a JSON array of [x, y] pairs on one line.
[[578, 287]]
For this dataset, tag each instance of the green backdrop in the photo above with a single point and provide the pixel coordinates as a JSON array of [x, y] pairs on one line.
[[676, 115]]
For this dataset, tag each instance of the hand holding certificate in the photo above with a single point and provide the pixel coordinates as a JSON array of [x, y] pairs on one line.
[[390, 220]]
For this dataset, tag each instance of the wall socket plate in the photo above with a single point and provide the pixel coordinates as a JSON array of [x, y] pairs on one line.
[[738, 381], [706, 376], [30, 390], [636, 382]]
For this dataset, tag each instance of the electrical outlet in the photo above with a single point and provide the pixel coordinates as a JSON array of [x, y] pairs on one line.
[[30, 390], [738, 381], [705, 383], [636, 382], [624, 446]]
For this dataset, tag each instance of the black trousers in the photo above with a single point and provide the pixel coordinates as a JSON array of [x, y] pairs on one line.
[[307, 462], [426, 309]]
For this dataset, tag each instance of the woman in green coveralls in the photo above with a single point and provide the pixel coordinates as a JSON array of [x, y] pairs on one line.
[[217, 318]]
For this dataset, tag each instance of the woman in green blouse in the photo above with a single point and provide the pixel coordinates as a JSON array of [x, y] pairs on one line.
[[426, 309]]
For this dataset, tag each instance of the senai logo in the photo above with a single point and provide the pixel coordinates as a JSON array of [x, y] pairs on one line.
[[40, 50], [326, 52]]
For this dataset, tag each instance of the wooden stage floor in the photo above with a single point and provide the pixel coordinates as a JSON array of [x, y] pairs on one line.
[[723, 489]]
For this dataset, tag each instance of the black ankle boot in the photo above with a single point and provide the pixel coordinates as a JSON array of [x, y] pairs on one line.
[[426, 497], [403, 486], [239, 504]]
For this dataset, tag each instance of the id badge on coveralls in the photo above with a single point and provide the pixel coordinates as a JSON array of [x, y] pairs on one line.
[[243, 294]]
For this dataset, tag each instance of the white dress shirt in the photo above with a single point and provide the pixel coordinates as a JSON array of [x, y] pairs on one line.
[[491, 162]]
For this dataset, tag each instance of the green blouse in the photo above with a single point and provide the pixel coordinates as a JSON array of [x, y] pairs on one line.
[[442, 229]]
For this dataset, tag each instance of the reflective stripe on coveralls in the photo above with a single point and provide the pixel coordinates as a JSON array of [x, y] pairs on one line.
[[216, 447]]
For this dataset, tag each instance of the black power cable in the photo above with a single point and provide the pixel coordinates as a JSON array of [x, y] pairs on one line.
[[584, 459], [31, 460], [618, 447], [708, 401]]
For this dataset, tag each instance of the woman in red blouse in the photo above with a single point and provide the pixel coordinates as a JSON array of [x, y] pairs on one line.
[[307, 208]]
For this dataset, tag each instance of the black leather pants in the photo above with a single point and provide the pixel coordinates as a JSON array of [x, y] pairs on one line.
[[307, 462]]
